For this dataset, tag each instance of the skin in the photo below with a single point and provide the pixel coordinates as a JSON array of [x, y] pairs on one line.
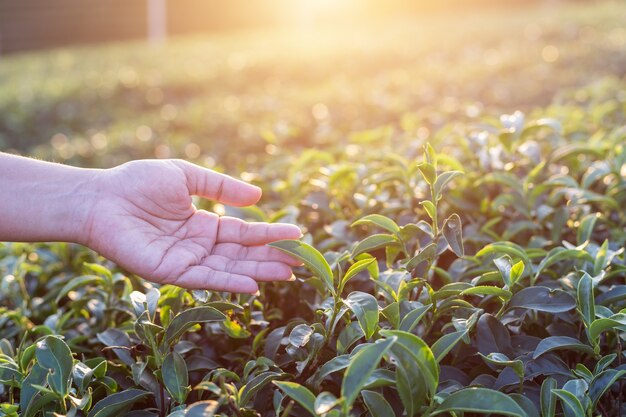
[[141, 216]]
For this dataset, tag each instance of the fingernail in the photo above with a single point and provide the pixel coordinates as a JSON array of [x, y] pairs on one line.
[[292, 278]]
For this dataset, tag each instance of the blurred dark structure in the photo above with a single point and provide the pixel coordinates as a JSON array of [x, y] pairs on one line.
[[36, 24]]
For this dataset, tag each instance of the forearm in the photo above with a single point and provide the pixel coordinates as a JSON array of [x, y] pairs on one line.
[[43, 201]]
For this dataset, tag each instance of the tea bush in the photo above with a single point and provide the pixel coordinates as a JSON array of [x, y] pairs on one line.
[[476, 269]]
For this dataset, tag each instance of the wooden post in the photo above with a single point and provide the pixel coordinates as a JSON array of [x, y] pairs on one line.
[[157, 21]]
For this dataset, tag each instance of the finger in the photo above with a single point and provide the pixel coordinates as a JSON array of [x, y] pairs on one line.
[[254, 253], [206, 278], [209, 184], [259, 271], [235, 230]]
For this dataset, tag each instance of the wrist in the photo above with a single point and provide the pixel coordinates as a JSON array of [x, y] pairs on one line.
[[82, 197]]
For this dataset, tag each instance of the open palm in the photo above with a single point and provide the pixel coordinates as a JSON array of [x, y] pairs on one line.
[[146, 222]]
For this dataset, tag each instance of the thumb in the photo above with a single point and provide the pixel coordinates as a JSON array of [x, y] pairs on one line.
[[209, 184]]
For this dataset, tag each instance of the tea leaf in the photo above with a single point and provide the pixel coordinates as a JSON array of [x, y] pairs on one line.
[[53, 354], [299, 393], [376, 404], [311, 258], [374, 242], [365, 308], [561, 342], [188, 318], [362, 365], [115, 404], [378, 220], [453, 233], [542, 299], [480, 400], [175, 376]]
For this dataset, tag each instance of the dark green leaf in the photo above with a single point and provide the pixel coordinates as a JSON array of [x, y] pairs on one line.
[[300, 335], [543, 299], [175, 376], [616, 321], [453, 233], [561, 342], [570, 402], [189, 318], [413, 317], [299, 393], [53, 354], [376, 404], [362, 364], [442, 180], [445, 344], [548, 399], [115, 404], [480, 400], [365, 308]]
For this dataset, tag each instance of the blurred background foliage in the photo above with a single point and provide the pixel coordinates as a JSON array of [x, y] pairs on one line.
[[282, 88]]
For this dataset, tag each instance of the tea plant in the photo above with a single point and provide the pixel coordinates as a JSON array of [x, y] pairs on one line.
[[455, 262]]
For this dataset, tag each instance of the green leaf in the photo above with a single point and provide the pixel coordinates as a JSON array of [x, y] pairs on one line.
[[427, 253], [586, 227], [548, 399], [355, 269], [365, 308], [300, 335], [500, 359], [378, 220], [542, 299], [586, 301], [513, 250], [374, 242], [602, 382], [376, 404], [28, 393], [430, 208], [311, 258], [428, 172], [616, 321], [325, 402], [445, 344], [560, 254], [202, 409], [189, 318], [480, 400], [442, 180], [560, 342], [248, 391], [570, 402], [504, 266], [417, 371], [392, 314], [487, 290], [175, 376], [299, 393], [362, 365], [453, 233], [53, 354], [115, 404], [413, 317], [77, 282], [601, 258]]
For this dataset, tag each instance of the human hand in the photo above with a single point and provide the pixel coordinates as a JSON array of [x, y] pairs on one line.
[[145, 221]]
